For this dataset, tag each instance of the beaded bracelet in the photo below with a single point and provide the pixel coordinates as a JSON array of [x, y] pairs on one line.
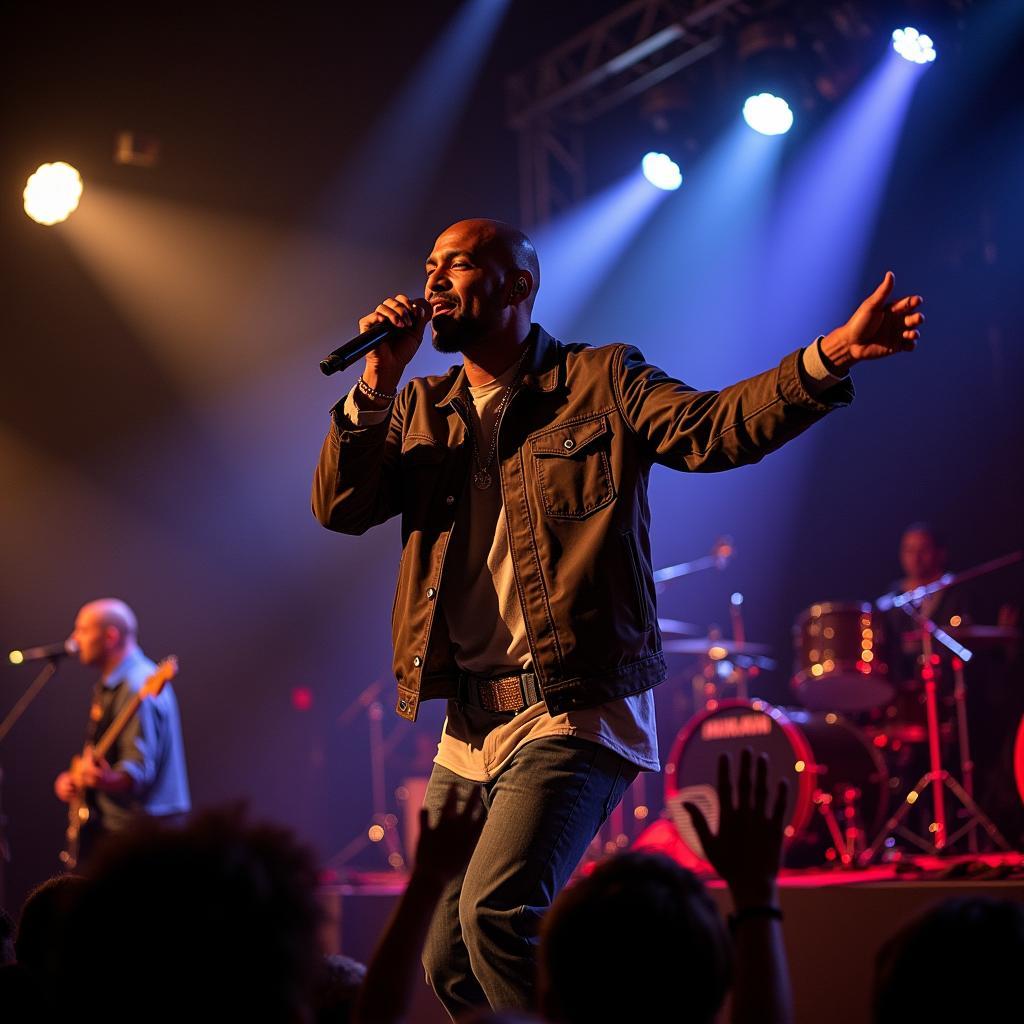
[[379, 396]]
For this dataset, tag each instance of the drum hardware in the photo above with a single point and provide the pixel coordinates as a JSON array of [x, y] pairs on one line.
[[721, 551], [675, 627], [976, 636], [847, 839], [383, 830], [723, 663], [918, 594], [715, 648], [937, 779]]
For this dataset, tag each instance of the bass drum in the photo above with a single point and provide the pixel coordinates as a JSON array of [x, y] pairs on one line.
[[825, 758]]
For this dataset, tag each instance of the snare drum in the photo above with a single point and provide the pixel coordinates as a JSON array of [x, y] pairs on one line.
[[824, 757], [840, 658]]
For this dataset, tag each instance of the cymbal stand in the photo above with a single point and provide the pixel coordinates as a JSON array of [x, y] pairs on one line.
[[964, 745], [848, 838], [739, 634], [936, 778]]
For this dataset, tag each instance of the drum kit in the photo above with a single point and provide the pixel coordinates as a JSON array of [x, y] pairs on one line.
[[844, 745]]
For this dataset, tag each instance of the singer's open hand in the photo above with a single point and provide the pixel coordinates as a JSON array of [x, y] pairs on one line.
[[386, 362], [878, 328]]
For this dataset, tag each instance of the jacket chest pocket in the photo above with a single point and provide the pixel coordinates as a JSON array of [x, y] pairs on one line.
[[573, 470], [427, 469]]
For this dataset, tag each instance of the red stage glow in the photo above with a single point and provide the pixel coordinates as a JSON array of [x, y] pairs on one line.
[[302, 698]]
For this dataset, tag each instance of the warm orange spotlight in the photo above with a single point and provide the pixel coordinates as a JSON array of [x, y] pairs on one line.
[[52, 193]]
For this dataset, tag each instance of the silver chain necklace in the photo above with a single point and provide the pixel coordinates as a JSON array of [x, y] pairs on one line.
[[482, 477]]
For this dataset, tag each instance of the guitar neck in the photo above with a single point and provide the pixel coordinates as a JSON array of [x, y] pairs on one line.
[[153, 687], [116, 727]]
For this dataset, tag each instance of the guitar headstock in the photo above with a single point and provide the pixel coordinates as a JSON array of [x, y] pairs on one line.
[[165, 672]]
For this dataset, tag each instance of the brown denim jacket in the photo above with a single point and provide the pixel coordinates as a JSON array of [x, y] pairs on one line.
[[575, 448]]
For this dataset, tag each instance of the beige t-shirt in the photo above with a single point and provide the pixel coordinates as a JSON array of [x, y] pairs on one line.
[[485, 621]]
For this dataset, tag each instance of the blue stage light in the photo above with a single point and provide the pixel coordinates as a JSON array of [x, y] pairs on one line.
[[768, 114], [913, 45], [662, 171]]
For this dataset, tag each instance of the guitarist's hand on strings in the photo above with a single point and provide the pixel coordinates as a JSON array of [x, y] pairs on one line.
[[95, 773], [92, 770]]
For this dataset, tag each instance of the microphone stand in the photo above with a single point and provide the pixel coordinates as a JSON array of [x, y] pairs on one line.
[[48, 671]]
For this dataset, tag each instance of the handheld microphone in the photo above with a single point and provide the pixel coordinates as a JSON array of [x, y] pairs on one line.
[[53, 651], [347, 354]]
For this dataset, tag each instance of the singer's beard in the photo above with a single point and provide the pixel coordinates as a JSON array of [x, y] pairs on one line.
[[454, 335]]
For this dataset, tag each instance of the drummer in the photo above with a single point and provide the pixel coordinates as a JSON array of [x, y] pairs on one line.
[[923, 559]]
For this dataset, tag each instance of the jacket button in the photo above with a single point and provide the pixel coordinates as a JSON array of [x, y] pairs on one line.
[[403, 705], [450, 500], [417, 661], [431, 593], [569, 444]]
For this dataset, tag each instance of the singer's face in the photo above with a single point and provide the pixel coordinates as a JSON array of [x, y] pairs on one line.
[[466, 287]]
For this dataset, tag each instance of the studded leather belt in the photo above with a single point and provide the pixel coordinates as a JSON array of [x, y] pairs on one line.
[[504, 693]]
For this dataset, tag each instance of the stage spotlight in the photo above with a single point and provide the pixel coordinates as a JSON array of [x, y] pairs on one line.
[[662, 171], [768, 114], [52, 193], [913, 45]]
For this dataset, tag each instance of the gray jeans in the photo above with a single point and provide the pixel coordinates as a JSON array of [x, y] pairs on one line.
[[543, 809]]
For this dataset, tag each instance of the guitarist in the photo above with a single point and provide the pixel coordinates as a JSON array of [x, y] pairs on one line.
[[145, 771]]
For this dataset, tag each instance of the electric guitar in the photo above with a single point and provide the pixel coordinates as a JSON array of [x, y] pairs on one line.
[[79, 811]]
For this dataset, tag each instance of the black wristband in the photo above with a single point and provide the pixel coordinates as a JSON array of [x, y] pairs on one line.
[[746, 913], [826, 362]]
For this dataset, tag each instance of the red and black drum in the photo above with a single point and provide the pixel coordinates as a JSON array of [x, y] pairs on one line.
[[1018, 758], [838, 783], [840, 658]]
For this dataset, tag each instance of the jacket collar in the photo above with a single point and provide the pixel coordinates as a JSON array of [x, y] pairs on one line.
[[544, 369]]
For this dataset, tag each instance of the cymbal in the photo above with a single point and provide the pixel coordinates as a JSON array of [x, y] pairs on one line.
[[679, 628], [971, 634], [715, 649]]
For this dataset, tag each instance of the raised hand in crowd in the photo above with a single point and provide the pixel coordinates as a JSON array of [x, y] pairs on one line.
[[747, 849], [443, 850], [746, 852]]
